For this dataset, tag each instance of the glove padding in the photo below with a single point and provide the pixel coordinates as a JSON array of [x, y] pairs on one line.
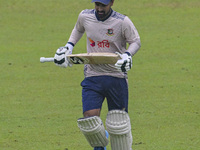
[[60, 58], [124, 64]]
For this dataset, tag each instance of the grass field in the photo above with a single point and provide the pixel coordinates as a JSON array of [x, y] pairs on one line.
[[40, 103]]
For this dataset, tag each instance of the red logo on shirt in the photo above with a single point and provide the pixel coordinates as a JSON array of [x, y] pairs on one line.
[[103, 44]]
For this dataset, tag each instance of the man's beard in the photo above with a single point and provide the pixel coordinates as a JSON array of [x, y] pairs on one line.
[[101, 14]]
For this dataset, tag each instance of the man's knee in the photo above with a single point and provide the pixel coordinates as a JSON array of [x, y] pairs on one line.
[[93, 112]]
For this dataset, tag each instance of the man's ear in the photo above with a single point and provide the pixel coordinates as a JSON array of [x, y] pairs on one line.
[[112, 2]]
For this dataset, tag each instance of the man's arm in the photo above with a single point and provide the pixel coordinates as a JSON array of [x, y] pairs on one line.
[[131, 35], [134, 47], [78, 30], [60, 58]]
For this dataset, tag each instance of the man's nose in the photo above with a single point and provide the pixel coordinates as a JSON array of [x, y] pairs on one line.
[[100, 8]]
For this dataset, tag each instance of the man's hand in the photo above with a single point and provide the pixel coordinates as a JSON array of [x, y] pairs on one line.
[[60, 58], [124, 64]]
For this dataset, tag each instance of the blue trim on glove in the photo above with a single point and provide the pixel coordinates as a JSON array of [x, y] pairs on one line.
[[128, 53], [71, 43]]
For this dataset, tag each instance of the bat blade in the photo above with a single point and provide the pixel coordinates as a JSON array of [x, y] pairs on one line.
[[94, 58], [88, 58]]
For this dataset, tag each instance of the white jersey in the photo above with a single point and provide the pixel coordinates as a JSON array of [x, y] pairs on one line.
[[110, 35]]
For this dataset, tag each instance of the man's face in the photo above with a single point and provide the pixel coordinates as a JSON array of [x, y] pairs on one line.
[[103, 10]]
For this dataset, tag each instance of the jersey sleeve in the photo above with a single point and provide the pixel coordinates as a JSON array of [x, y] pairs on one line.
[[131, 36], [78, 30]]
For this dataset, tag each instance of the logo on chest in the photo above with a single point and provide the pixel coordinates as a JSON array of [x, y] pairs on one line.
[[103, 44], [100, 44], [110, 32]]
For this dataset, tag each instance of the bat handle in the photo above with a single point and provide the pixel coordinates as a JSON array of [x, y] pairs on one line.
[[43, 59]]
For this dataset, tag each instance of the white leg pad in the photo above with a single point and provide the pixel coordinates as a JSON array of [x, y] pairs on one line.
[[119, 128], [94, 131]]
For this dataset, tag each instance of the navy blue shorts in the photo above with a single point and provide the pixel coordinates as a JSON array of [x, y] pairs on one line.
[[96, 89]]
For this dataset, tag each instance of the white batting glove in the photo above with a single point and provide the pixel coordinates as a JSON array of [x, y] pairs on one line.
[[60, 58], [124, 64]]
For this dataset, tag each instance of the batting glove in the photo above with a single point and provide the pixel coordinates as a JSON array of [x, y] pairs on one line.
[[60, 58], [124, 64]]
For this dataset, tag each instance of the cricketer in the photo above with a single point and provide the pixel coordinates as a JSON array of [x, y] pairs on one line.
[[107, 31]]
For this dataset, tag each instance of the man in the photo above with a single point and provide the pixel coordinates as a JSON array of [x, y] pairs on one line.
[[107, 31]]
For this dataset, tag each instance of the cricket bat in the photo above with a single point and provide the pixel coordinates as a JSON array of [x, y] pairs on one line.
[[88, 58]]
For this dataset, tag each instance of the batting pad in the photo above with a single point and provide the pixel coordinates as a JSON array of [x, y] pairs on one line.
[[119, 128], [93, 130]]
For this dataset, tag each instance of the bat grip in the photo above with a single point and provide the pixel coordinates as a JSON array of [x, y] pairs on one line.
[[43, 59]]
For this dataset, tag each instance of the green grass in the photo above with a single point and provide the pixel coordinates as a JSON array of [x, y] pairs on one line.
[[40, 103]]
